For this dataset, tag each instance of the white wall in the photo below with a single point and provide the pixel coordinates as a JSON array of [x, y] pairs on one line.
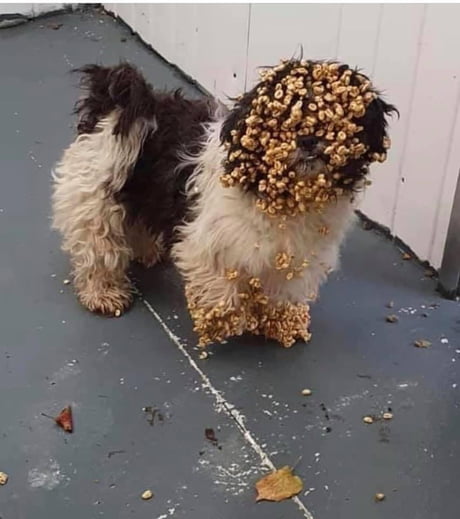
[[29, 9], [411, 51]]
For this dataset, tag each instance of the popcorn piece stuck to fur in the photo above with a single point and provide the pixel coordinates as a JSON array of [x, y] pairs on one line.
[[284, 322], [300, 98]]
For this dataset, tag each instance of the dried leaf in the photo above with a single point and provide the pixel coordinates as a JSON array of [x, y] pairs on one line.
[[278, 485], [64, 419], [422, 343]]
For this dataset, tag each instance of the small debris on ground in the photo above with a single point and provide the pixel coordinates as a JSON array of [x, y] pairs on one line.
[[153, 414], [392, 318], [390, 304], [112, 453], [422, 343], [146, 495], [64, 419], [406, 256], [66, 281], [211, 436], [3, 478], [54, 26], [379, 497], [278, 486], [123, 40], [429, 273], [387, 416], [203, 355], [306, 392], [368, 419]]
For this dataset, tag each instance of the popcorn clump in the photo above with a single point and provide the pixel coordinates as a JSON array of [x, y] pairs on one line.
[[300, 98], [254, 312]]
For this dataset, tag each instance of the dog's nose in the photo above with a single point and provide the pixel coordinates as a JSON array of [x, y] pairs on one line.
[[307, 142]]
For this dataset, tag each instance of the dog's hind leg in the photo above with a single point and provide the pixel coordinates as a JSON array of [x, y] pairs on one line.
[[92, 223], [148, 249]]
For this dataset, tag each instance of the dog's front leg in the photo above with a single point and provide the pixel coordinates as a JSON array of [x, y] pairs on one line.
[[216, 305]]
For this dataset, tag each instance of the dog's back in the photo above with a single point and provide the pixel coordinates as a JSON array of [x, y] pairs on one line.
[[166, 125]]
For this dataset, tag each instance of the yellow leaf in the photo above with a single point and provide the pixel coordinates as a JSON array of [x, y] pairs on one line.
[[278, 485]]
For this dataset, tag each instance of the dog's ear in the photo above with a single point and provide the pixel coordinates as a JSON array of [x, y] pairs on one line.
[[375, 124], [107, 88], [236, 115]]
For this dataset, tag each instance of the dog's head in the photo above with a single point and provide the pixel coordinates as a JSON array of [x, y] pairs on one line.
[[304, 135]]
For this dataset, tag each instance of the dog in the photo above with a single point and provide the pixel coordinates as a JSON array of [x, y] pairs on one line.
[[251, 202]]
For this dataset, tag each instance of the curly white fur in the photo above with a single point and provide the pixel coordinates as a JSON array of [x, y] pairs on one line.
[[91, 171], [227, 231]]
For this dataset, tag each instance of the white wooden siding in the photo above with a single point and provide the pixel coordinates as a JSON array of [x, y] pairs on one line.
[[410, 51]]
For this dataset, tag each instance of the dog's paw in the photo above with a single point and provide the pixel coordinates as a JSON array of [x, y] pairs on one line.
[[112, 301]]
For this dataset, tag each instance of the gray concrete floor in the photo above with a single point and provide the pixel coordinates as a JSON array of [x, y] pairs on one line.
[[53, 352]]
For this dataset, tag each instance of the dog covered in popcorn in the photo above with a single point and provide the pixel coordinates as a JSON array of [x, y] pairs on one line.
[[252, 202]]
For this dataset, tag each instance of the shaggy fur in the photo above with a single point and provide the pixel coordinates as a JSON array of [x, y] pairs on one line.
[[117, 191], [142, 179], [239, 236], [374, 124]]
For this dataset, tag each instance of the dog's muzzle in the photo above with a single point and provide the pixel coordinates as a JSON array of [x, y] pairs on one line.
[[308, 159]]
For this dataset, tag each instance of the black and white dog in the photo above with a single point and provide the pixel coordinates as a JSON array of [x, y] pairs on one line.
[[252, 203]]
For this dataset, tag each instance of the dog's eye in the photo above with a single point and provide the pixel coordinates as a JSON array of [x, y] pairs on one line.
[[307, 142]]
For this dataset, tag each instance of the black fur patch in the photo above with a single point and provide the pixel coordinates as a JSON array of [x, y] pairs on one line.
[[108, 88], [155, 190]]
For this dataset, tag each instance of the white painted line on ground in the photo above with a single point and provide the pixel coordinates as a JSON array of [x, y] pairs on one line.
[[228, 408]]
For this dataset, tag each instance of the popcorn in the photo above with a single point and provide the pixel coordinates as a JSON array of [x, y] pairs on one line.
[[300, 98], [282, 321]]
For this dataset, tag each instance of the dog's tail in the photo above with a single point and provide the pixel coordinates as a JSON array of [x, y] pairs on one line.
[[121, 88]]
